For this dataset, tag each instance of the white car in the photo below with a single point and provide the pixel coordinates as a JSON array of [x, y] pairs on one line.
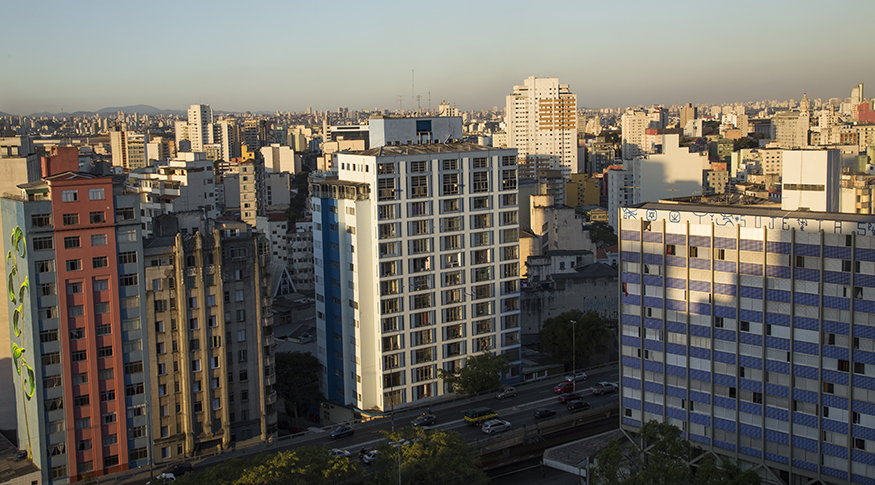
[[162, 478], [495, 426], [604, 388], [337, 453], [580, 376]]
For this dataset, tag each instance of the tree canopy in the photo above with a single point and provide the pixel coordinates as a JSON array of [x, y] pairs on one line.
[[306, 465], [558, 336], [481, 372], [602, 234], [297, 379], [430, 456], [666, 461]]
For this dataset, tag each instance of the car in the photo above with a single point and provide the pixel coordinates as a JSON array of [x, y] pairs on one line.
[[370, 457], [604, 388], [306, 338], [495, 426], [564, 386], [544, 413], [568, 396], [577, 405], [162, 478], [19, 455], [424, 419], [506, 392], [578, 377], [342, 431], [337, 453], [179, 470]]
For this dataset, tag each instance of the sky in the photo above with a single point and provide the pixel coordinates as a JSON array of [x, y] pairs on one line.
[[289, 55]]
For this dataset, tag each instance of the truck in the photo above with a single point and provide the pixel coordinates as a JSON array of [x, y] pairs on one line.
[[476, 416]]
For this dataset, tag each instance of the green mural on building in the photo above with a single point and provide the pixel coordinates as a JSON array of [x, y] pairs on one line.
[[18, 292]]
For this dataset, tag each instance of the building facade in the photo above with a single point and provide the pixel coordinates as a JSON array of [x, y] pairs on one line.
[[541, 118], [434, 281], [77, 338], [752, 329]]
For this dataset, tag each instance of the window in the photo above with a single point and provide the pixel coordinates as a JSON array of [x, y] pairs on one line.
[[74, 287], [481, 181], [107, 395], [71, 219], [128, 279], [41, 220], [69, 196], [97, 217], [419, 186], [134, 389], [99, 262], [46, 266], [127, 257], [74, 265], [196, 365], [43, 243], [744, 326], [124, 214], [83, 400], [75, 311], [95, 194], [450, 184], [71, 242], [241, 356], [104, 351], [98, 239]]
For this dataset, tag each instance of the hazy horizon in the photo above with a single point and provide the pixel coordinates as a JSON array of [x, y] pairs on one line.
[[290, 56]]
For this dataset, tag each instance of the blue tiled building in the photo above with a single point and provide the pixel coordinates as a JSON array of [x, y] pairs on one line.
[[752, 329]]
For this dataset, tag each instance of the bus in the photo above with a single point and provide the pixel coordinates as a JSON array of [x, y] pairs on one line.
[[476, 416]]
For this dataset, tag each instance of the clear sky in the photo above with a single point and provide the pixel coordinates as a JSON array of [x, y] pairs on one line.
[[287, 55]]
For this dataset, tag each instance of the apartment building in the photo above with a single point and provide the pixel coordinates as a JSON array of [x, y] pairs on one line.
[[207, 303], [77, 339], [752, 329], [433, 281]]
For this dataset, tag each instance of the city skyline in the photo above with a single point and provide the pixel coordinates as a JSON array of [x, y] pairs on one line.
[[288, 58]]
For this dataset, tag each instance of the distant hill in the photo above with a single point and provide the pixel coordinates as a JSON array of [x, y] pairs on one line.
[[142, 109]]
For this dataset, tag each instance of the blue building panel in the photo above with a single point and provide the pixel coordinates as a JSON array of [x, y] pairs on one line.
[[631, 341], [700, 375], [724, 243], [778, 247], [676, 327], [753, 269], [724, 424], [724, 380], [805, 465], [700, 330], [750, 385], [676, 413], [778, 271], [748, 361], [806, 347], [807, 249], [632, 422], [652, 366], [676, 283], [806, 323], [699, 263], [700, 241], [777, 391], [836, 303], [837, 277], [633, 362], [628, 235], [676, 305], [678, 261], [861, 456], [775, 366], [724, 357], [837, 252], [806, 274], [700, 353], [631, 403], [633, 320], [650, 236], [652, 408], [724, 445], [752, 431], [778, 319], [805, 371], [836, 352], [777, 413], [700, 397], [630, 257], [863, 432], [832, 472], [864, 357], [806, 299], [864, 331], [725, 402], [751, 245], [750, 408], [804, 443], [777, 343], [750, 451], [750, 338], [631, 299], [702, 419], [679, 239], [834, 426], [700, 439], [677, 392], [837, 402], [700, 308], [631, 382], [777, 458], [652, 280], [702, 286], [722, 334], [864, 382], [864, 254], [835, 377], [653, 345], [724, 311], [725, 266], [866, 280], [652, 258], [653, 387], [864, 407], [750, 316], [864, 306], [653, 323], [632, 278], [674, 370], [750, 292], [778, 295], [676, 349], [804, 396]]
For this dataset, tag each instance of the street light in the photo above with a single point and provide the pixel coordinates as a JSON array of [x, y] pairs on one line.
[[399, 444], [573, 355]]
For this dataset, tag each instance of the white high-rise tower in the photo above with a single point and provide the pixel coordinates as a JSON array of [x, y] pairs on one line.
[[200, 133], [541, 119]]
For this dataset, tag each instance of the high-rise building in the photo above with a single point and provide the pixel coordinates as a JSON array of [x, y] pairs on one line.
[[128, 149], [633, 125], [207, 302], [433, 281], [750, 328], [857, 95], [200, 129], [541, 118], [811, 180], [76, 260], [687, 113], [790, 129]]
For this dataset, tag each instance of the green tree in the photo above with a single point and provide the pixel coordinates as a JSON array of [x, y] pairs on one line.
[[299, 201], [428, 457], [562, 339], [297, 379], [481, 373], [708, 473], [305, 465], [602, 234]]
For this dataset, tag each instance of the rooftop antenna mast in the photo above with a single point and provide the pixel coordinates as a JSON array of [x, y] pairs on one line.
[[400, 102], [412, 89], [429, 102]]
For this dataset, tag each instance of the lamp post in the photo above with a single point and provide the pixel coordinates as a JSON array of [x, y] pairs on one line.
[[399, 444], [573, 355]]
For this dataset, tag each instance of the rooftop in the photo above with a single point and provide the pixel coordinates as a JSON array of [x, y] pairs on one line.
[[388, 151]]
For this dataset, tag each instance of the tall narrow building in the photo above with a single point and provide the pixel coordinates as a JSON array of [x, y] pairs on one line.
[[200, 130], [435, 279], [74, 267], [541, 118]]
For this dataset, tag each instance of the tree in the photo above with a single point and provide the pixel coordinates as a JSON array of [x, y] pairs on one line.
[[665, 459], [602, 234], [428, 457], [299, 201], [297, 379], [481, 373], [305, 465], [559, 334]]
